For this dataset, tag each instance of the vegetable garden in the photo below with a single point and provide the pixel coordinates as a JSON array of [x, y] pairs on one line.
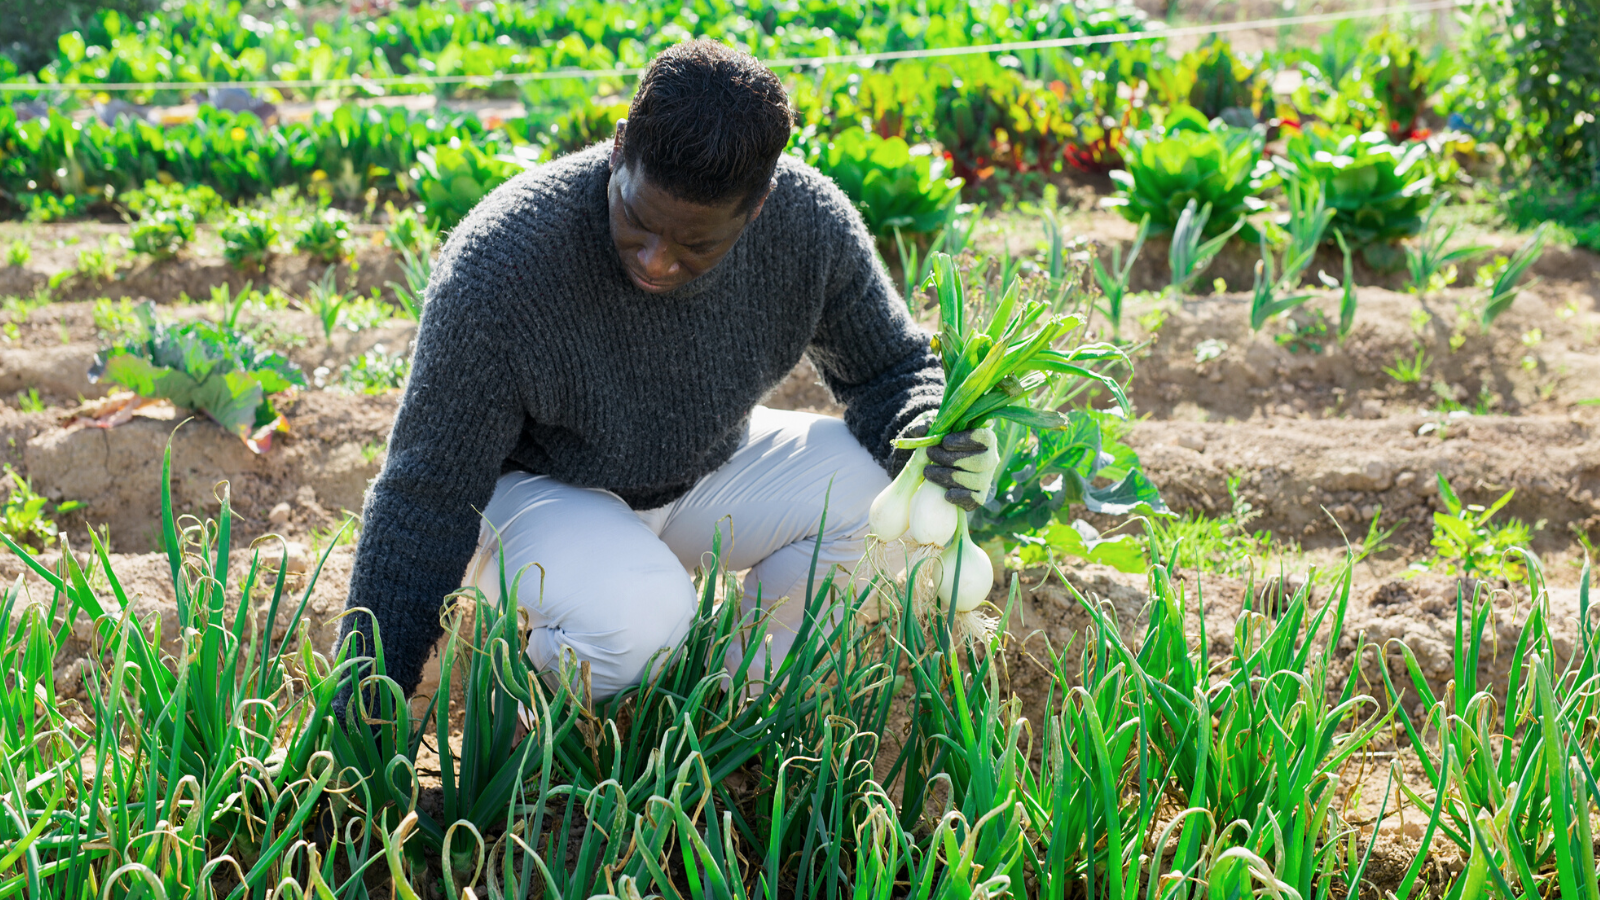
[[1284, 584]]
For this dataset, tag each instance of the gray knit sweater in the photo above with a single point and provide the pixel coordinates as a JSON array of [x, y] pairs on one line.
[[536, 352]]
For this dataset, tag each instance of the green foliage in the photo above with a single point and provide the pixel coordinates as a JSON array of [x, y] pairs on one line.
[[1114, 283], [591, 122], [29, 518], [375, 372], [1223, 544], [895, 186], [1267, 298], [1533, 86], [1504, 288], [18, 253], [162, 234], [1378, 190], [418, 271], [1431, 263], [1192, 162], [200, 365], [324, 235], [326, 302], [1225, 88], [1043, 475], [454, 178], [406, 230], [199, 200], [249, 238], [1469, 545], [1410, 371], [95, 264], [1189, 254]]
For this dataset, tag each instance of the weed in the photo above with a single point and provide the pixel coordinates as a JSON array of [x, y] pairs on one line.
[[360, 313], [18, 253], [1410, 371], [1377, 540], [375, 372], [1223, 544], [28, 401], [28, 518], [1209, 349], [1307, 336], [1471, 546], [1152, 321]]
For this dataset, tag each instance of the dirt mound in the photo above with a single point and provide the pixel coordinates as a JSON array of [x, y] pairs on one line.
[[321, 467], [1206, 363], [1291, 471]]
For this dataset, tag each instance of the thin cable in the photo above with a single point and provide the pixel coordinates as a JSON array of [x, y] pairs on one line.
[[790, 62]]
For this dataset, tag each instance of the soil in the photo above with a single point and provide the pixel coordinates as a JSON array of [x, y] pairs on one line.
[[1318, 440]]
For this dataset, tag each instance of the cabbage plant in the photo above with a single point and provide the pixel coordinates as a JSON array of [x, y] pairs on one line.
[[1377, 190], [1188, 159], [896, 186], [201, 365]]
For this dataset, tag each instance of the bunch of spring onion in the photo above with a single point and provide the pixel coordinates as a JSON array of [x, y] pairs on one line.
[[994, 371]]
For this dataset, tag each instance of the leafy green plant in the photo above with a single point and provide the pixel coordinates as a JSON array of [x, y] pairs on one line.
[[1266, 300], [1504, 288], [1346, 286], [1378, 190], [96, 263], [249, 238], [204, 366], [406, 230], [29, 518], [1189, 253], [897, 188], [1308, 218], [452, 178], [325, 301], [1192, 162], [18, 253], [325, 235], [28, 401], [200, 200], [953, 236], [1114, 284], [1432, 266], [418, 270], [1225, 88], [1410, 371], [1224, 544], [162, 234], [1469, 545], [375, 372]]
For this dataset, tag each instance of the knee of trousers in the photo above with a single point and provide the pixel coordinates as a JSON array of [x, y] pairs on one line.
[[635, 626]]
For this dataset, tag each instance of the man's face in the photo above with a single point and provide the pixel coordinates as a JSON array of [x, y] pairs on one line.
[[665, 242]]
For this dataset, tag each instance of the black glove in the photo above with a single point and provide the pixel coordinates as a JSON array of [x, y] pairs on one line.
[[963, 464]]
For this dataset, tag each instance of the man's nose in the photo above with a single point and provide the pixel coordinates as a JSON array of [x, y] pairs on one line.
[[656, 261]]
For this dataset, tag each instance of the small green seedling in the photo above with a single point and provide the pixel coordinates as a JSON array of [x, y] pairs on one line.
[[1505, 289], [1410, 371], [1469, 545], [18, 253], [1114, 284], [1190, 254], [28, 517], [1431, 265]]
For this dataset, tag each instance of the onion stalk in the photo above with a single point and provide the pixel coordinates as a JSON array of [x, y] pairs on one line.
[[992, 372]]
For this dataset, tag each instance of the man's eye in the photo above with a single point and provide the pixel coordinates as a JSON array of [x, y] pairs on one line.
[[702, 248]]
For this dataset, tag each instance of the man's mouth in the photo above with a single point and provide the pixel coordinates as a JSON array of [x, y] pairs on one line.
[[646, 285]]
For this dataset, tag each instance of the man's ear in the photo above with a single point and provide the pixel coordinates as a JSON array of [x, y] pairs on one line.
[[616, 145], [756, 210]]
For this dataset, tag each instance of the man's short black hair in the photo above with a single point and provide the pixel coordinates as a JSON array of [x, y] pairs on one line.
[[708, 123]]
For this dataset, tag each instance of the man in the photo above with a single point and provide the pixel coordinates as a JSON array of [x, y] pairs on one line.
[[583, 399]]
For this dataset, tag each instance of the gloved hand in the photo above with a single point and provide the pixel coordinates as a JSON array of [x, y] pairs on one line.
[[963, 464]]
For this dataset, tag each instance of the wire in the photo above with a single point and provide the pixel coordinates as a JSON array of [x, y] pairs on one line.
[[789, 62]]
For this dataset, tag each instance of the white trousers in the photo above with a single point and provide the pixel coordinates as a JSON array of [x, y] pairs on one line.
[[616, 588]]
